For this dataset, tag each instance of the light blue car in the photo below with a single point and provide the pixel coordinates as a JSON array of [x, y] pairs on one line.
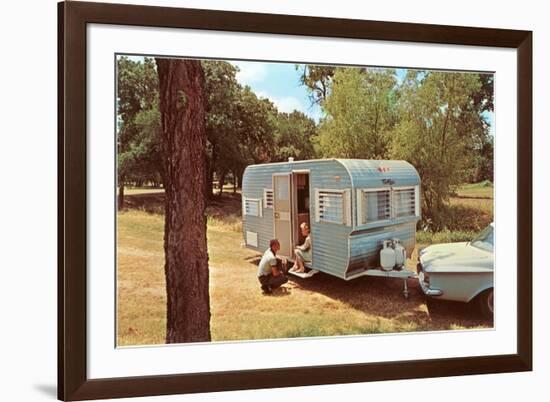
[[460, 271]]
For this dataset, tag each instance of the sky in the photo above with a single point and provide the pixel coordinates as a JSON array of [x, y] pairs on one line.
[[280, 83]]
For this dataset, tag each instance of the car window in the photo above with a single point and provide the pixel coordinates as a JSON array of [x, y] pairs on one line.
[[484, 240]]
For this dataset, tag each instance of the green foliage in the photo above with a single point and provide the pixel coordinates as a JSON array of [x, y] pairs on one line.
[[294, 133], [256, 121], [435, 120], [138, 121], [317, 79], [222, 94], [445, 236], [360, 114], [435, 131]]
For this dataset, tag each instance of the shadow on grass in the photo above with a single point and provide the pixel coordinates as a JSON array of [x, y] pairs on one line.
[[282, 291], [382, 297], [229, 205]]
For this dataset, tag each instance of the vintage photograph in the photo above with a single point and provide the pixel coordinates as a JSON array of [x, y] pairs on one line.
[[269, 200]]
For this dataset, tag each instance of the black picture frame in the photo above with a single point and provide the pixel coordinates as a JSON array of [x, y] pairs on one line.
[[73, 17]]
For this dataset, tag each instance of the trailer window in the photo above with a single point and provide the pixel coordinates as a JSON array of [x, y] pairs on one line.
[[252, 207], [375, 205], [268, 198], [404, 202], [331, 206]]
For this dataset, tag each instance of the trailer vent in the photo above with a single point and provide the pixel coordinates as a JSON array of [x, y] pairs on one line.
[[252, 207], [268, 198]]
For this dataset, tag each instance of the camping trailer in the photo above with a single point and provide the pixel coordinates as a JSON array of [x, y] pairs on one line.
[[354, 207]]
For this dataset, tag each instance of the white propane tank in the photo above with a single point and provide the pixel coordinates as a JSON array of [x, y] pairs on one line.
[[400, 253], [387, 256]]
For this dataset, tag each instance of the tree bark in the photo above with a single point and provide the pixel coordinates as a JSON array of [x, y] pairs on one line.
[[181, 90]]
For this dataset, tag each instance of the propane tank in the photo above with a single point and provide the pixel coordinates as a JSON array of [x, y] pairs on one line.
[[400, 253], [387, 256]]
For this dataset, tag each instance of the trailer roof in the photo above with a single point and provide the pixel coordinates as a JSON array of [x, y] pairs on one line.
[[345, 162], [364, 172]]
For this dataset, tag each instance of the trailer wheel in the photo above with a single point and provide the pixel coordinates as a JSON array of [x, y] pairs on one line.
[[485, 303]]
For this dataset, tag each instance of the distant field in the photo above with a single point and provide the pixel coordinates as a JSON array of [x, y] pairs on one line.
[[319, 306], [481, 190]]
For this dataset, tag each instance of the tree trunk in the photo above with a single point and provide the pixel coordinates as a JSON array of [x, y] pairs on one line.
[[221, 182], [121, 196], [209, 187], [211, 170], [234, 182], [181, 84]]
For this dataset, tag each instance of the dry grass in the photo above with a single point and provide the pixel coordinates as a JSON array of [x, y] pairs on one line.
[[322, 305]]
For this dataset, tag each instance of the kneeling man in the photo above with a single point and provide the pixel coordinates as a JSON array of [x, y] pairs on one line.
[[272, 269]]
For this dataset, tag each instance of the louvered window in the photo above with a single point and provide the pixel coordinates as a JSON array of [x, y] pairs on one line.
[[252, 207], [404, 202], [332, 206], [375, 205]]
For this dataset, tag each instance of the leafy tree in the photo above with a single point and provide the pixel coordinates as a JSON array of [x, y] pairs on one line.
[[255, 131], [137, 90], [239, 125], [145, 148], [360, 114], [294, 133], [435, 129], [222, 93], [317, 79], [183, 140], [482, 146]]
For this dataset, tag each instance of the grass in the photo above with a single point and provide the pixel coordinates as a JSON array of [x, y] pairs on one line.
[[322, 305], [483, 190]]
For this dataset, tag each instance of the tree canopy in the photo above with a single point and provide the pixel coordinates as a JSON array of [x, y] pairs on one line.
[[360, 114], [438, 121], [436, 129]]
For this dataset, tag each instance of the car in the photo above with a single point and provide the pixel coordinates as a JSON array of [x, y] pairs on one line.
[[461, 272]]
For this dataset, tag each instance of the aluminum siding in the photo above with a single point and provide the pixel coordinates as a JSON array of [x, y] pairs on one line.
[[330, 241], [335, 251], [365, 245]]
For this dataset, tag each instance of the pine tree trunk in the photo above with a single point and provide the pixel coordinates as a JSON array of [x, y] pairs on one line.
[[183, 141]]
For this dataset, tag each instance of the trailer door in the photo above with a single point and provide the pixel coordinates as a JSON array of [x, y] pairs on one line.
[[282, 215]]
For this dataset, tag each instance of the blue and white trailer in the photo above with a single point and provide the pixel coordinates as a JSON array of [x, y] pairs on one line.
[[353, 207]]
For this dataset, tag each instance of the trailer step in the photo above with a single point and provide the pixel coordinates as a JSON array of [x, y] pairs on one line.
[[304, 275], [402, 274]]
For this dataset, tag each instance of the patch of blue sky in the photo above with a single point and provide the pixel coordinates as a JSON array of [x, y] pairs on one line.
[[400, 74], [280, 83], [489, 118]]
